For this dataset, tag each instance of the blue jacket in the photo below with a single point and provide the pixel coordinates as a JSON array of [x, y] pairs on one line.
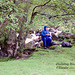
[[44, 32]]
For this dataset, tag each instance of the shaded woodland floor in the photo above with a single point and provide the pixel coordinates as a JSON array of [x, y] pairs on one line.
[[60, 61]]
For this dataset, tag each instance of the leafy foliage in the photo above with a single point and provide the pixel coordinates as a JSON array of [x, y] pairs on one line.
[[17, 14]]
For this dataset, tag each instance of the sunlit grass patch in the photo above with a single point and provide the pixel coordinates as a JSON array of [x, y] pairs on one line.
[[42, 62]]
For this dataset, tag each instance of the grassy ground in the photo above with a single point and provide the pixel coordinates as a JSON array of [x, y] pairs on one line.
[[60, 61]]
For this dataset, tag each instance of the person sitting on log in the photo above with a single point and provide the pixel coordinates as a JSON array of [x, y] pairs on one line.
[[46, 37]]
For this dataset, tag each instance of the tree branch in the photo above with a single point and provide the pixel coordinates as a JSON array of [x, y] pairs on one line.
[[62, 15], [56, 15], [35, 13], [41, 5]]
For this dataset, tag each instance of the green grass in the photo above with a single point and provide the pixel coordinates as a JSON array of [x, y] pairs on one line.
[[6, 59], [43, 62]]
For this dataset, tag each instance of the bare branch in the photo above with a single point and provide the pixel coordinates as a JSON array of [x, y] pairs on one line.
[[41, 5], [35, 13], [49, 16], [62, 15]]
